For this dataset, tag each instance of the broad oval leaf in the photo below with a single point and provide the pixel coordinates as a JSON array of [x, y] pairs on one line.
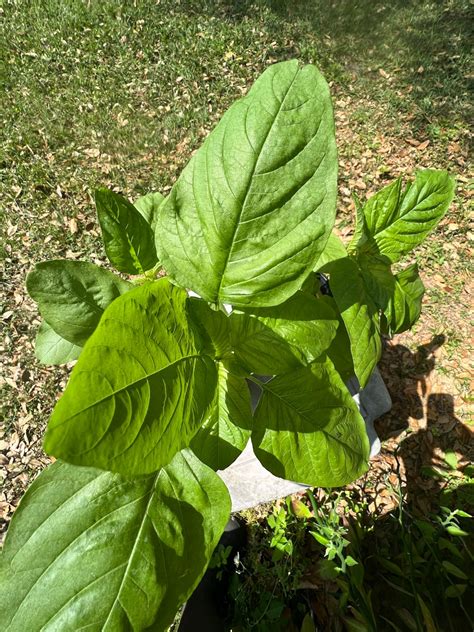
[[258, 349], [148, 206], [249, 216], [274, 340], [402, 221], [72, 296], [50, 348], [307, 428], [226, 430], [404, 307], [360, 316], [127, 235], [140, 389], [305, 322], [89, 549]]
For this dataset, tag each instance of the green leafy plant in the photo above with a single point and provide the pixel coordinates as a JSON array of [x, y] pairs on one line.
[[354, 570], [278, 523], [118, 532], [331, 534], [220, 559], [263, 589]]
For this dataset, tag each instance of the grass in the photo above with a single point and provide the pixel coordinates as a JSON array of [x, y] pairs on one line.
[[122, 92], [332, 557], [119, 94]]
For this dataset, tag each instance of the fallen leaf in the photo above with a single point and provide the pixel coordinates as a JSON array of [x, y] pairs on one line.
[[73, 226], [423, 145]]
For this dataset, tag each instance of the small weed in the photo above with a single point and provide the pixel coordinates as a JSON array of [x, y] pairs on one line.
[[220, 559], [326, 556]]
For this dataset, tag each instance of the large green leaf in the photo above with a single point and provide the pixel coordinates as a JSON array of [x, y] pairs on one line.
[[360, 316], [404, 307], [306, 323], [226, 430], [339, 351], [307, 428], [140, 389], [72, 296], [148, 206], [258, 349], [251, 213], [50, 348], [92, 550], [128, 237], [378, 278], [396, 223]]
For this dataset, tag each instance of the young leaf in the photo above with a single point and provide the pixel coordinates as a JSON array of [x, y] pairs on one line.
[[251, 213], [50, 348], [128, 238], [405, 220], [89, 549], [377, 213], [140, 389], [226, 429], [404, 306], [307, 428], [333, 251], [452, 530], [360, 316], [72, 296], [378, 278], [148, 206]]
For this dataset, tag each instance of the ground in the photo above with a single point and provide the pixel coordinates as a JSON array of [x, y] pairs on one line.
[[120, 94]]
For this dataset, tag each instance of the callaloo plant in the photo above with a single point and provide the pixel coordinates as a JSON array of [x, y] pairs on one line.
[[116, 533]]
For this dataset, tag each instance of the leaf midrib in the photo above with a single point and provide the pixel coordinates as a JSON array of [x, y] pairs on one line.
[[74, 540], [126, 387], [253, 173], [132, 553], [325, 432]]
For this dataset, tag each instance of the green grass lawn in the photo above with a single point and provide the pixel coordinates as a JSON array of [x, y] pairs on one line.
[[119, 93]]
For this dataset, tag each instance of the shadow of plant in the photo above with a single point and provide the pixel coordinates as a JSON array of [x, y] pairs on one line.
[[433, 431]]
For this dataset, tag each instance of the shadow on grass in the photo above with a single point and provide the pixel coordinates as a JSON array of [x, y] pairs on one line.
[[430, 478], [425, 46]]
